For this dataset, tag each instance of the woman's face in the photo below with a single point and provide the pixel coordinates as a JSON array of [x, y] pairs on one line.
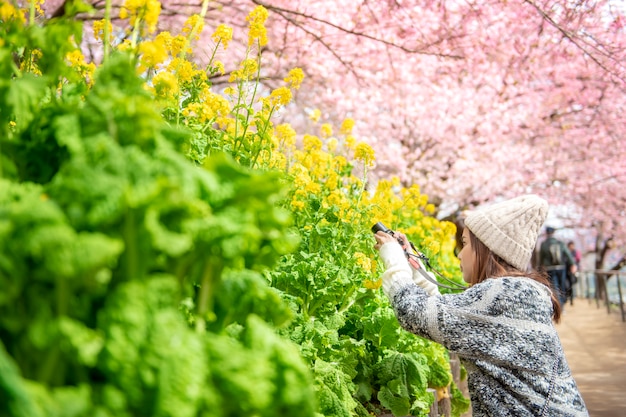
[[467, 257]]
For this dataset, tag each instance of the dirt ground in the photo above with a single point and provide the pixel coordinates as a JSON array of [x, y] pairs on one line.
[[595, 347]]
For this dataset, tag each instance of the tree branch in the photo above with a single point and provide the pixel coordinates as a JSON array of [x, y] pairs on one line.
[[282, 12]]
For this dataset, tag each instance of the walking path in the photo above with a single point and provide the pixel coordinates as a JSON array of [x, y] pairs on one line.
[[595, 348]]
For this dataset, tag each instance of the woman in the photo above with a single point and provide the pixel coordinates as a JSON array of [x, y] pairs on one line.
[[502, 325]]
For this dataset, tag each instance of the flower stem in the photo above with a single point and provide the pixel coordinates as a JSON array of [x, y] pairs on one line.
[[106, 35]]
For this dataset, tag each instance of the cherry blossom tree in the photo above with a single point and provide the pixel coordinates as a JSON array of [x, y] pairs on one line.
[[474, 101]]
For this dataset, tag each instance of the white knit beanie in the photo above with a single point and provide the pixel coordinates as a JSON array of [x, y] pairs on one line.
[[510, 228]]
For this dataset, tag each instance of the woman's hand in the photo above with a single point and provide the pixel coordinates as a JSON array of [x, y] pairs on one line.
[[382, 238]]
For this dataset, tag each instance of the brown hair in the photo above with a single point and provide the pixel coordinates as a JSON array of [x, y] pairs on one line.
[[489, 265]]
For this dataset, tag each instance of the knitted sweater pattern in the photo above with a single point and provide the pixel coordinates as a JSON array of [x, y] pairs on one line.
[[502, 330]]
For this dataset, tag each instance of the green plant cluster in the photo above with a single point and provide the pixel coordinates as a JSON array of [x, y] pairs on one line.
[[147, 271], [124, 266]]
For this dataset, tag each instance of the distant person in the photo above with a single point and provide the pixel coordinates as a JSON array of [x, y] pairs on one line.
[[571, 277], [556, 260], [501, 326], [575, 253]]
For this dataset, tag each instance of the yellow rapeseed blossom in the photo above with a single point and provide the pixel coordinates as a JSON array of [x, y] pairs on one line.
[[125, 45], [333, 181], [286, 135], [311, 143], [315, 115], [247, 70], [98, 30], [147, 11], [332, 144], [9, 12], [294, 78], [326, 130], [193, 25], [77, 61], [363, 261], [152, 54], [223, 34], [350, 142], [211, 107], [339, 163], [297, 205], [280, 97], [30, 64], [165, 84], [219, 67], [165, 40], [313, 187], [184, 69], [347, 126], [179, 45], [373, 285], [258, 33]]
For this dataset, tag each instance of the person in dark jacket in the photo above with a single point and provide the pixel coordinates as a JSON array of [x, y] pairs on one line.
[[502, 326], [556, 259]]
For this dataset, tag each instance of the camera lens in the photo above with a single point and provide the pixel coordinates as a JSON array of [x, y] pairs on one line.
[[379, 227]]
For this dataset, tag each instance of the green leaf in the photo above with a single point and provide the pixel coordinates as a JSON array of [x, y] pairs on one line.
[[15, 400]]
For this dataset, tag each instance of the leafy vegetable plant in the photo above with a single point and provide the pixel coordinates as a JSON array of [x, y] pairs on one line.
[[168, 250]]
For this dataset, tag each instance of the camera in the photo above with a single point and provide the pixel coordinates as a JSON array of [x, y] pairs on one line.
[[413, 255], [379, 227]]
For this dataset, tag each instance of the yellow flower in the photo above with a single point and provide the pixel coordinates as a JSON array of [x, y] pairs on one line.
[[125, 45], [311, 143], [98, 30], [313, 188], [258, 33], [77, 61], [347, 126], [339, 163], [193, 26], [165, 84], [184, 69], [212, 107], [219, 67], [350, 142], [286, 134], [152, 54], [363, 261], [8, 12], [315, 115], [332, 182], [247, 69], [373, 285], [179, 44], [280, 96], [326, 130], [297, 205], [223, 34], [294, 78], [332, 144], [142, 10], [165, 40]]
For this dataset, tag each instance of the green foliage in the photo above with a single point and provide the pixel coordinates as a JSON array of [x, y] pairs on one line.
[[147, 270], [124, 265]]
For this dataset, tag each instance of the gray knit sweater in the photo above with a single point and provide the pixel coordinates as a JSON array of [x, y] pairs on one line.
[[503, 332]]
